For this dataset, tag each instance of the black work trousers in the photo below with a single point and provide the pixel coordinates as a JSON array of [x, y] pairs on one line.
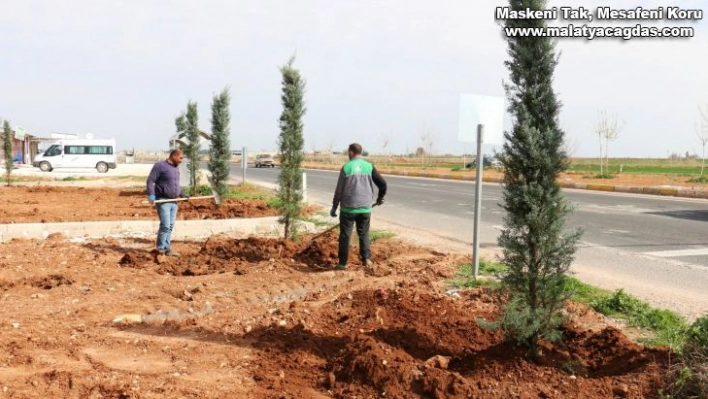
[[346, 225]]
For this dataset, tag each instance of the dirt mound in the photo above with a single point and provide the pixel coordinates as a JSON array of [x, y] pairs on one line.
[[220, 254], [404, 343]]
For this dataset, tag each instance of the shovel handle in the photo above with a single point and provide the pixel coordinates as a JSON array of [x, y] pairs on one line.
[[321, 233], [179, 199]]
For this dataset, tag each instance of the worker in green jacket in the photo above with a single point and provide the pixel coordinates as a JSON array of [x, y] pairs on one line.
[[355, 192]]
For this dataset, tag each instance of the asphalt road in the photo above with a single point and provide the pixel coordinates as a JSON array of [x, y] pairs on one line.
[[628, 239]]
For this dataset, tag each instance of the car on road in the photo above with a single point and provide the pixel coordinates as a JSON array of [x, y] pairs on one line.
[[265, 161], [487, 162]]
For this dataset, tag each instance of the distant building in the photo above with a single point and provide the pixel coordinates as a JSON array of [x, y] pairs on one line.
[[24, 147], [180, 138]]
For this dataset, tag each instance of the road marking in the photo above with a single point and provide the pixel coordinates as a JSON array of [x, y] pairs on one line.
[[679, 252], [610, 231]]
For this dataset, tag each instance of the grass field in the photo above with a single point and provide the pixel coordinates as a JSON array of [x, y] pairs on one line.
[[679, 167]]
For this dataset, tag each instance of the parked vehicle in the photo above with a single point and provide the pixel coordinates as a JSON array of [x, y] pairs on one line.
[[77, 153], [265, 161], [486, 163]]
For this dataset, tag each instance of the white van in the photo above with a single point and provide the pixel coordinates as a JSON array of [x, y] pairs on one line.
[[77, 153]]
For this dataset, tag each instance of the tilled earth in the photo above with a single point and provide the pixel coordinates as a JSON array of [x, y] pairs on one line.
[[260, 318], [253, 317], [46, 203]]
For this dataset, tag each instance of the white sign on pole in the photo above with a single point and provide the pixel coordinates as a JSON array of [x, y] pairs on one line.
[[19, 133], [481, 110]]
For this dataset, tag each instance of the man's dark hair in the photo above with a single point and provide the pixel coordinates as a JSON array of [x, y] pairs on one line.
[[176, 151], [355, 148]]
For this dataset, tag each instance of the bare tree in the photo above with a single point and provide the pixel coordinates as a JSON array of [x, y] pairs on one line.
[[329, 147], [426, 138], [384, 145], [570, 147], [607, 129], [702, 133]]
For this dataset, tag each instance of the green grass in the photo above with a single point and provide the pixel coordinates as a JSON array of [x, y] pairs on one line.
[[248, 191], [317, 222], [240, 192], [72, 178], [130, 178], [273, 202], [667, 328], [379, 234], [600, 176], [584, 293], [373, 236], [465, 276], [682, 167]]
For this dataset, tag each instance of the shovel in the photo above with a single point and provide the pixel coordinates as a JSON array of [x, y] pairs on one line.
[[214, 194], [320, 234], [217, 200]]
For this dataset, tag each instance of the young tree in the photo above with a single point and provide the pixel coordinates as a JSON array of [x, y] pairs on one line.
[[702, 133], [7, 148], [385, 141], [329, 147], [607, 129], [220, 151], [426, 138], [535, 247], [291, 144], [192, 149]]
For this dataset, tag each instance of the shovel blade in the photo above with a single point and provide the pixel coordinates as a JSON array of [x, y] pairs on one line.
[[217, 197]]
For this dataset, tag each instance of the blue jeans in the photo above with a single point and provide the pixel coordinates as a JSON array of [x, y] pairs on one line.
[[167, 212]]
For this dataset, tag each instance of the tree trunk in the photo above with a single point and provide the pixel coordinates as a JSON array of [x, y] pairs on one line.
[[607, 156], [600, 137]]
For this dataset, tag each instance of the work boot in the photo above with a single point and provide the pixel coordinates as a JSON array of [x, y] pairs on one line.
[[368, 262], [340, 267], [172, 253]]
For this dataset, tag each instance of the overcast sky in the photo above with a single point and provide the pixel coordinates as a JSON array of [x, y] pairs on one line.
[[376, 70]]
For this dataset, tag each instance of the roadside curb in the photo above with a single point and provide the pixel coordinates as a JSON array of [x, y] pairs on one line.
[[651, 190]]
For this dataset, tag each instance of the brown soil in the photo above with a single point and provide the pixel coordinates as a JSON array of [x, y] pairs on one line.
[[262, 318], [44, 204]]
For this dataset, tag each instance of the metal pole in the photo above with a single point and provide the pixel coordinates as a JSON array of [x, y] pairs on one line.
[[478, 199], [244, 163], [304, 187]]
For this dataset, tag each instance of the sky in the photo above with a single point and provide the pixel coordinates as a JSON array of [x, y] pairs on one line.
[[376, 70]]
